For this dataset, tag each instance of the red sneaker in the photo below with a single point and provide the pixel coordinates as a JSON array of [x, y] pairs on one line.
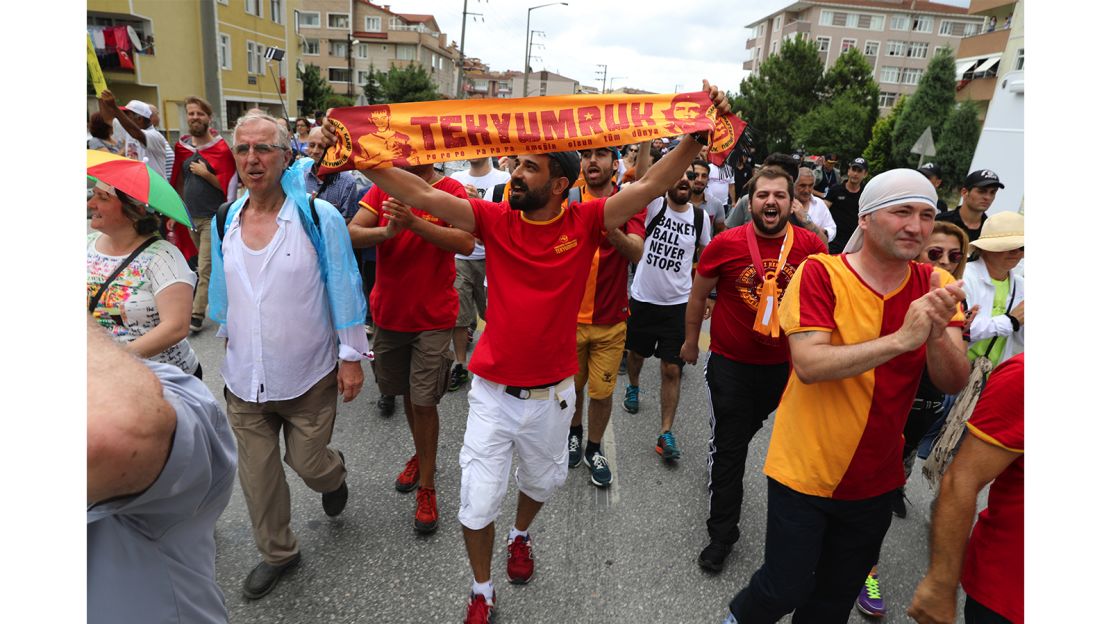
[[521, 565], [427, 515], [409, 477], [480, 609]]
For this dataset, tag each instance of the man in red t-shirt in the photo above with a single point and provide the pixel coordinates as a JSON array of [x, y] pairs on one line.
[[994, 567], [414, 305], [538, 255], [601, 317], [749, 362]]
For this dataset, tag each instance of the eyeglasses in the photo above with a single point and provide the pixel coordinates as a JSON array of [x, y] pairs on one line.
[[261, 149], [936, 253], [690, 175], [634, 150]]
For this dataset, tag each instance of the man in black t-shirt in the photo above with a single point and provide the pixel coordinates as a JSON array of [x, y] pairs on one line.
[[976, 196], [843, 201], [932, 171]]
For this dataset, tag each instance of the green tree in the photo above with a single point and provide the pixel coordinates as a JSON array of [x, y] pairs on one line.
[[316, 90], [370, 89], [850, 76], [336, 100], [956, 145], [410, 84], [878, 151], [784, 90], [837, 126], [929, 106]]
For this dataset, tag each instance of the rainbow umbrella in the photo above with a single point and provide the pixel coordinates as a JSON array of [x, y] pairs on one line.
[[137, 180]]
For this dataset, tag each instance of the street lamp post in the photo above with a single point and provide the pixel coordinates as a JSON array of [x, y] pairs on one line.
[[351, 43], [528, 40]]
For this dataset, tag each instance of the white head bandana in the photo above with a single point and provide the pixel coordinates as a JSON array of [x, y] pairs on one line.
[[887, 190], [106, 188]]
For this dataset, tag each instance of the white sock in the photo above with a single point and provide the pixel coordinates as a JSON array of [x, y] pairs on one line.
[[486, 589], [514, 533]]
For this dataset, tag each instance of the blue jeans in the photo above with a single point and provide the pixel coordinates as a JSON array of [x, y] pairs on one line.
[[817, 555]]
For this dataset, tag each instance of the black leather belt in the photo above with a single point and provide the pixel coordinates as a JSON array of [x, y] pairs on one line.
[[526, 392]]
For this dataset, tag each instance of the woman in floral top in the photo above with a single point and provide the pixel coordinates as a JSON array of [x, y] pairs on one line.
[[147, 306]]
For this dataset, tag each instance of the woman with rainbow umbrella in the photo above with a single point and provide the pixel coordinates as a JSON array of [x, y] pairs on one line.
[[139, 287]]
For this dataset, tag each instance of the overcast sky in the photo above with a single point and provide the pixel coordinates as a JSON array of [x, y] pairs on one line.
[[648, 44]]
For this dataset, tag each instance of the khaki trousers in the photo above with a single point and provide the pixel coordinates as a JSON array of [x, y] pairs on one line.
[[202, 238], [306, 423]]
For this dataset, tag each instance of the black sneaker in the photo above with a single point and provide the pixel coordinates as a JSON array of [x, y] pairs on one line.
[[712, 557], [387, 405], [459, 377], [574, 446], [336, 500], [196, 324], [899, 505], [600, 475], [264, 578]]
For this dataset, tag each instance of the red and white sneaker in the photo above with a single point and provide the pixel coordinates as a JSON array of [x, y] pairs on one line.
[[521, 565], [480, 609]]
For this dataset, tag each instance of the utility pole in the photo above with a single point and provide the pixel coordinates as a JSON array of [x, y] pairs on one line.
[[604, 75], [462, 49], [528, 41]]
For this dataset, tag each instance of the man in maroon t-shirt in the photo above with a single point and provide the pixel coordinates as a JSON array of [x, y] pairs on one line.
[[749, 361], [538, 255], [994, 567], [414, 305]]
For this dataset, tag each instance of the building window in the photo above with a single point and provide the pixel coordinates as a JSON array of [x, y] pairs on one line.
[[337, 48], [396, 23], [406, 52], [362, 51], [910, 76], [871, 48], [971, 30], [224, 50], [339, 74], [778, 24], [845, 44], [919, 50], [312, 47], [877, 22], [887, 99], [839, 19], [253, 7], [310, 19], [900, 22], [255, 64], [277, 11], [826, 18], [774, 47], [339, 20], [923, 24], [760, 31], [362, 76], [1019, 63], [895, 48], [823, 44], [888, 75], [374, 23]]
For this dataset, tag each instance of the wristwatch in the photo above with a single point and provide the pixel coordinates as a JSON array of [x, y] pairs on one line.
[[1014, 322]]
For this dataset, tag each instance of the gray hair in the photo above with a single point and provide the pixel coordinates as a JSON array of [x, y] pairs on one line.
[[282, 130], [805, 171]]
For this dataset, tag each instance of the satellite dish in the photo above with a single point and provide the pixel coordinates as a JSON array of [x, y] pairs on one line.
[[134, 37]]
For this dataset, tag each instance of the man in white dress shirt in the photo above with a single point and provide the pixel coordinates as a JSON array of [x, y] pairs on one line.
[[287, 294], [809, 211]]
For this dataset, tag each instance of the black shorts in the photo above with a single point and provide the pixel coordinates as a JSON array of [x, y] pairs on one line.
[[656, 330]]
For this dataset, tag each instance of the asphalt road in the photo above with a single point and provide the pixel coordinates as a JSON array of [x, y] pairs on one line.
[[626, 554]]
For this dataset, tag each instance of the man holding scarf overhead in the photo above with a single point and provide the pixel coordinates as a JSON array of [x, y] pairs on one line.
[[861, 327], [749, 360]]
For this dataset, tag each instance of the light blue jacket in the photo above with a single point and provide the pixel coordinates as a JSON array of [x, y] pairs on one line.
[[338, 268]]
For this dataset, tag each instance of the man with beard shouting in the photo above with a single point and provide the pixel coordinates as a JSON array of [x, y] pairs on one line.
[[749, 360], [538, 256]]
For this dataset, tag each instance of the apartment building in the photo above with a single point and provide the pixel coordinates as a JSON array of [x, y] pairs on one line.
[[897, 37], [223, 50], [982, 58], [346, 38]]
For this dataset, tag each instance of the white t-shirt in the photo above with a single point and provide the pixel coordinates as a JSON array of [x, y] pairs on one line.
[[664, 274], [719, 179], [128, 309], [153, 153], [485, 186], [714, 208]]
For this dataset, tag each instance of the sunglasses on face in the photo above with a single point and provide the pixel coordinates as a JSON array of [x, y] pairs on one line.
[[262, 149], [690, 175], [936, 253]]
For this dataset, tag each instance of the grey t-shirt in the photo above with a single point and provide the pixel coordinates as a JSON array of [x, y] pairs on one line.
[[152, 557], [201, 198]]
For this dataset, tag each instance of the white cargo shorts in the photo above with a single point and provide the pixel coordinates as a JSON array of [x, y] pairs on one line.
[[497, 423]]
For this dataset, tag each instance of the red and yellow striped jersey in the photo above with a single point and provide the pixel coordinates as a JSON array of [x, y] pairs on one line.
[[842, 438]]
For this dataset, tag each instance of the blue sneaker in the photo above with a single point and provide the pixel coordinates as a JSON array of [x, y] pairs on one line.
[[574, 445], [632, 399], [600, 475], [665, 446]]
